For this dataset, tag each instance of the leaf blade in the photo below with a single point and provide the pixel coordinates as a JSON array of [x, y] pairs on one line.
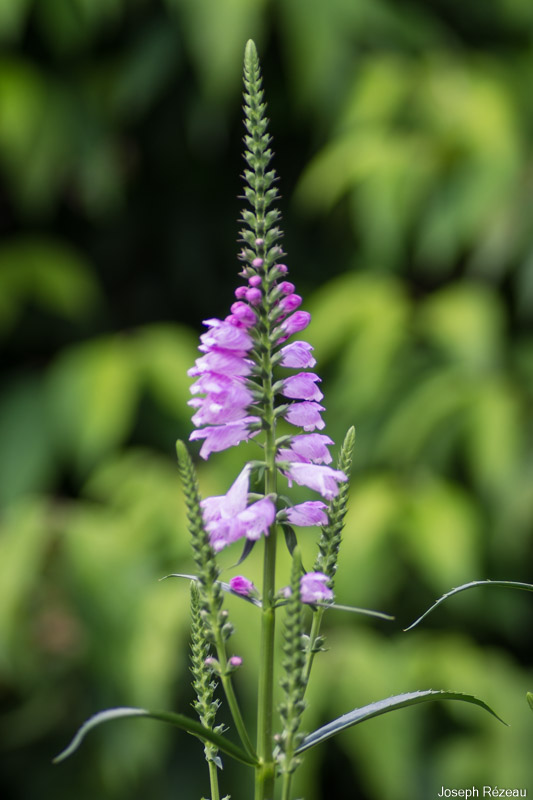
[[384, 706], [179, 720], [528, 587]]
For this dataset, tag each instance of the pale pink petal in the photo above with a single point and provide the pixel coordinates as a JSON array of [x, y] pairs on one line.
[[258, 518], [220, 437], [314, 589], [302, 387], [312, 446], [305, 415], [324, 480], [312, 512], [296, 322], [297, 355]]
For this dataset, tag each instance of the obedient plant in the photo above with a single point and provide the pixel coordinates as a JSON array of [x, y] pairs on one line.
[[254, 383]]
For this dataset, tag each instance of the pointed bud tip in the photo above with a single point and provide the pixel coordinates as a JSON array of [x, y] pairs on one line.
[[250, 51]]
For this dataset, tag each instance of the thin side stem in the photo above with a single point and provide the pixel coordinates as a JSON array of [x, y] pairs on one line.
[[233, 704], [213, 781], [315, 630]]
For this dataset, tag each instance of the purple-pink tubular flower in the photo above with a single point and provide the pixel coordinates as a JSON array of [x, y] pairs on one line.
[[254, 296], [297, 355], [290, 303], [241, 585], [240, 292], [314, 588], [323, 480], [220, 377], [226, 399], [222, 363], [244, 313], [234, 662], [286, 287], [312, 446], [227, 518], [220, 437], [224, 336], [305, 415], [302, 387], [312, 512], [295, 323]]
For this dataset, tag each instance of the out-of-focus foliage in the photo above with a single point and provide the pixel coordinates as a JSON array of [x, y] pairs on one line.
[[404, 142]]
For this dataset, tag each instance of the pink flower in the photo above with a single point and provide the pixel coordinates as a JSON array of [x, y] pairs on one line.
[[244, 313], [223, 363], [228, 519], [297, 354], [220, 437], [323, 480], [296, 322], [234, 662], [224, 336], [290, 303], [313, 448], [314, 588], [311, 512], [286, 287], [226, 400], [254, 296], [241, 585], [305, 415], [302, 387]]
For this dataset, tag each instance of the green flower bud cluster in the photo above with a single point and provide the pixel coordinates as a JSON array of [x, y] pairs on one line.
[[330, 539], [262, 233], [294, 680], [209, 590], [205, 705]]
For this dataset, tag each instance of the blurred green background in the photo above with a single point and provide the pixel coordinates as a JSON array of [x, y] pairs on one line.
[[404, 140]]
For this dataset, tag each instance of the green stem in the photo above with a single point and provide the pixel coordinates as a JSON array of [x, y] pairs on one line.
[[315, 630], [213, 781], [286, 788], [233, 704], [265, 702]]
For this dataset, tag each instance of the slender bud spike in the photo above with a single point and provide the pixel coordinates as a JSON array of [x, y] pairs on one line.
[[294, 679], [330, 540]]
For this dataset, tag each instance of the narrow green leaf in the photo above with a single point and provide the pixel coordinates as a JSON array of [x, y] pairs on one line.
[[356, 610], [528, 587], [529, 698], [179, 720], [383, 707]]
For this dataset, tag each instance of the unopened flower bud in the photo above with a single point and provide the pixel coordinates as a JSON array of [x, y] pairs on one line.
[[241, 585], [240, 292], [255, 280], [254, 296], [259, 242], [282, 268], [290, 303], [286, 287], [234, 662], [257, 262]]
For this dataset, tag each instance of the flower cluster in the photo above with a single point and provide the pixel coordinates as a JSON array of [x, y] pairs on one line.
[[229, 372]]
